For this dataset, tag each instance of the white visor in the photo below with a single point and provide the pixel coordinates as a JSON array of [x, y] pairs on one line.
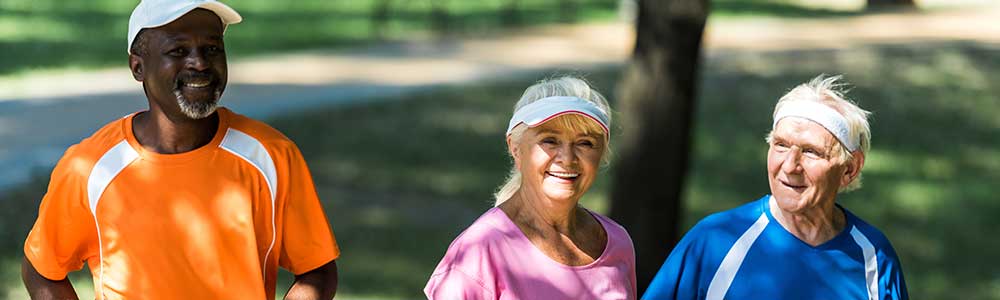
[[549, 108], [823, 115]]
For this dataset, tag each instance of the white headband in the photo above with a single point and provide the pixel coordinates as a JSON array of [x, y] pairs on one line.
[[548, 108], [821, 114]]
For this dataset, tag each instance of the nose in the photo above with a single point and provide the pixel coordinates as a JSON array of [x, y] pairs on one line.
[[566, 154], [792, 163], [196, 60]]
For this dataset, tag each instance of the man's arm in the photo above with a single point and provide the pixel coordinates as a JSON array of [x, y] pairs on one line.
[[41, 288], [320, 283]]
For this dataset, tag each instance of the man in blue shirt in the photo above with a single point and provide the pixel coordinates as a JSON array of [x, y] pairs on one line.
[[796, 243]]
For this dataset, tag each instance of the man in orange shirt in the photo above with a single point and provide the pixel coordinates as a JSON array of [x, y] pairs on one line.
[[185, 200]]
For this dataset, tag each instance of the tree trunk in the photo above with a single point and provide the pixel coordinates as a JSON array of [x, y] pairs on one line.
[[657, 93]]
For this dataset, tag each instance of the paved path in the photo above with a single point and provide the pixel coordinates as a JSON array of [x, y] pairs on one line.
[[41, 115]]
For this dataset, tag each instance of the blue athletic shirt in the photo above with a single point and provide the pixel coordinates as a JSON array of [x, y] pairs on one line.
[[744, 253]]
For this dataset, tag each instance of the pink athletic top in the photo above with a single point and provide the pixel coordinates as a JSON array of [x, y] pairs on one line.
[[493, 259]]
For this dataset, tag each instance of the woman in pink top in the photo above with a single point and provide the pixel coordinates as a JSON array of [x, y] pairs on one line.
[[538, 242]]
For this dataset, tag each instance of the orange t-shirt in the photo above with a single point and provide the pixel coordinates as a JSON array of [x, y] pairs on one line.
[[211, 223]]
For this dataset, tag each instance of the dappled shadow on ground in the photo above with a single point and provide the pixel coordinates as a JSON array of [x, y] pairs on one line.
[[401, 178]]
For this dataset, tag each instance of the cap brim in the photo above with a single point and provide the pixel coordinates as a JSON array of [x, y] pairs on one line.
[[226, 13], [549, 108]]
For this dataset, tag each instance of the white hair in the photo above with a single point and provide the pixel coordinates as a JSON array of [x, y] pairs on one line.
[[828, 90], [561, 86]]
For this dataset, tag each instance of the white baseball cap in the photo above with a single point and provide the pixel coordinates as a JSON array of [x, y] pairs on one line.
[[156, 13]]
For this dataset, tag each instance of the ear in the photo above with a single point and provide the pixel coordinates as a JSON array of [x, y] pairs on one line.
[[853, 168], [512, 149], [135, 64]]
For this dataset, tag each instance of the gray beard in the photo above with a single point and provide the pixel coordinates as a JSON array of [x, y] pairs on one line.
[[197, 110]]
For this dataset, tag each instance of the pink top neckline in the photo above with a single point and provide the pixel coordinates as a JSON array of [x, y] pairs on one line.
[[523, 238]]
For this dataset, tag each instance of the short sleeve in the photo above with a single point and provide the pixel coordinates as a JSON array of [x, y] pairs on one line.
[[64, 235], [455, 284], [679, 277], [307, 240], [894, 286]]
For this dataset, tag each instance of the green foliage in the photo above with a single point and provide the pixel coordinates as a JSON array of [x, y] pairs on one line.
[[929, 182], [400, 178], [773, 8], [38, 34]]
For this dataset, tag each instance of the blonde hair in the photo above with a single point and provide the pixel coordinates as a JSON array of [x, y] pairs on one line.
[[561, 86], [829, 91]]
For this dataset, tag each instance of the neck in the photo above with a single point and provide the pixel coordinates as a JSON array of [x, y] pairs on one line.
[[542, 213], [815, 226], [160, 133]]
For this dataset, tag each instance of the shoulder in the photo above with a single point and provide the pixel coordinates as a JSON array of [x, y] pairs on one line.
[[475, 246], [472, 256], [483, 236], [874, 236], [731, 223], [245, 127], [80, 159]]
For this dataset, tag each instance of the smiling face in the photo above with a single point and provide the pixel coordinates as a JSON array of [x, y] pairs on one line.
[[558, 162], [803, 171], [183, 66]]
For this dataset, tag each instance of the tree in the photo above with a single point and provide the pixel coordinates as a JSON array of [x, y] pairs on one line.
[[658, 93]]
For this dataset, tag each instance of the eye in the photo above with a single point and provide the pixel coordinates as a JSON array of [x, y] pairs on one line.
[[550, 140], [812, 152], [177, 52], [587, 143], [780, 146], [214, 49]]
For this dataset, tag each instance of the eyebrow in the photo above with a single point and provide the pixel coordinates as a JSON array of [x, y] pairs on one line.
[[547, 131], [181, 38], [554, 131], [807, 144]]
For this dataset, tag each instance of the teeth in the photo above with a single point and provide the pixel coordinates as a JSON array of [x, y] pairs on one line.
[[198, 83], [564, 174]]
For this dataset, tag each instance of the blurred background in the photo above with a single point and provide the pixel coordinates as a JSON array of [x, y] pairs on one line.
[[399, 108]]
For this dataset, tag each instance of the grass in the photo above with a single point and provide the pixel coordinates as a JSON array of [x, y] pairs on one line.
[[775, 8], [401, 178], [39, 35], [47, 34]]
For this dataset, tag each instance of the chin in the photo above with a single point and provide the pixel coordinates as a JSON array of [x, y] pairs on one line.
[[197, 109], [791, 203], [561, 195]]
